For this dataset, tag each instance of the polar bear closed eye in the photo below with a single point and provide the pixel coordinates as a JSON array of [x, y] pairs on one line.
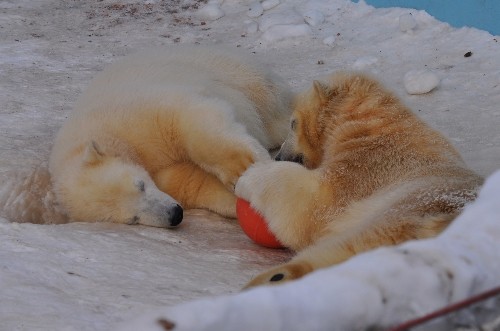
[[105, 188]]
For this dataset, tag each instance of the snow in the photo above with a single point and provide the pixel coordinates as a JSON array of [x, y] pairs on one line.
[[251, 27], [211, 12], [420, 81], [285, 31], [314, 17], [269, 4], [363, 63], [370, 290], [330, 41], [255, 10], [287, 17], [97, 276], [407, 23]]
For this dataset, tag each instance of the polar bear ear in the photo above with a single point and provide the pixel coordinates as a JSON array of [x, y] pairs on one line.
[[321, 91], [92, 153]]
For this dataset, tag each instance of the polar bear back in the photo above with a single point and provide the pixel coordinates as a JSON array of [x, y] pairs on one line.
[[180, 82], [206, 71]]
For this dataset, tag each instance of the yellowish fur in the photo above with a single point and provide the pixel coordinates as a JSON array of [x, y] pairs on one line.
[[373, 174], [163, 129]]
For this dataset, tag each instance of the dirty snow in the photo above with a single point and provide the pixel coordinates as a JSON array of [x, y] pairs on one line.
[[97, 276]]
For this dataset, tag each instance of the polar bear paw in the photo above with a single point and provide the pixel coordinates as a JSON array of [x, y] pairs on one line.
[[259, 180], [282, 274]]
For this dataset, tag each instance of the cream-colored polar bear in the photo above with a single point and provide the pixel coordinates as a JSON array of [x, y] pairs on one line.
[[372, 174], [165, 130]]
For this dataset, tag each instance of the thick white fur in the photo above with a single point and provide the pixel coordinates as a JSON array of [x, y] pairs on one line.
[[164, 128], [373, 174]]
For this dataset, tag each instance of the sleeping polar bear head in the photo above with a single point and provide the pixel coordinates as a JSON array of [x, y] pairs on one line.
[[305, 140], [106, 188], [325, 108]]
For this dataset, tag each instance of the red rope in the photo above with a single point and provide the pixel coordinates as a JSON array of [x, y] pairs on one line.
[[448, 309]]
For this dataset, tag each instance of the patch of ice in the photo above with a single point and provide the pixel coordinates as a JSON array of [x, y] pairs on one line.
[[420, 81]]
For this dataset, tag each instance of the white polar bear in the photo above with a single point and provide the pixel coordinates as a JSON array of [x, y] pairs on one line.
[[163, 129]]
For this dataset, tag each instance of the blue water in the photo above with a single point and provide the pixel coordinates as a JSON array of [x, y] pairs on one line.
[[481, 14]]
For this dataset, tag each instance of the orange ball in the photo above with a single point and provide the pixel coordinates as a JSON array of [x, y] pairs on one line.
[[254, 225]]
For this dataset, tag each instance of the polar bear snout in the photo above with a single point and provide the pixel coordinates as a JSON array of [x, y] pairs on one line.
[[158, 209], [166, 215], [175, 216], [288, 151]]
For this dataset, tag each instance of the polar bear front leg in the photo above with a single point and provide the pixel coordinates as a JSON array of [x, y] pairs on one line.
[[288, 196], [221, 146], [193, 187], [229, 157]]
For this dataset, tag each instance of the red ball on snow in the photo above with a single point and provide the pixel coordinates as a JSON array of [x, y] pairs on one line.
[[254, 225]]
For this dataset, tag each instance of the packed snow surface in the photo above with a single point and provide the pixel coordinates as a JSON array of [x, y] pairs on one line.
[[97, 276], [381, 288]]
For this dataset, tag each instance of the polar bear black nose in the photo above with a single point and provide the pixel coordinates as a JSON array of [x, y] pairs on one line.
[[176, 215]]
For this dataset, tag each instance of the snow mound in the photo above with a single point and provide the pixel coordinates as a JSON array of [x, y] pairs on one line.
[[370, 290], [287, 17], [281, 32]]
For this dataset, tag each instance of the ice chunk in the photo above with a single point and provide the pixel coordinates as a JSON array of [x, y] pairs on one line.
[[407, 22], [364, 62], [210, 12], [282, 18], [280, 32], [420, 81], [251, 27], [329, 41]]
